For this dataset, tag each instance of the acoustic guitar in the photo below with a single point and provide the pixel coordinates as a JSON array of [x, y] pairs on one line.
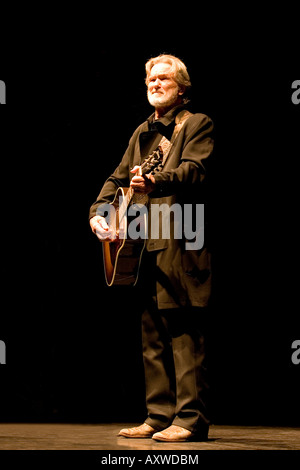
[[122, 256]]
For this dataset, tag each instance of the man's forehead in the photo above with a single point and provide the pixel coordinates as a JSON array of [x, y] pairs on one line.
[[160, 68]]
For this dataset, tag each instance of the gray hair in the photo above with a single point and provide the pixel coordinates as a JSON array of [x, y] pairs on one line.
[[178, 69]]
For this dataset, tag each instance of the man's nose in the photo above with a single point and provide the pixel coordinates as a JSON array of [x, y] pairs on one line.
[[157, 83]]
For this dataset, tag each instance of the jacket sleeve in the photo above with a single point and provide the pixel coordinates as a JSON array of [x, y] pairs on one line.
[[196, 146]]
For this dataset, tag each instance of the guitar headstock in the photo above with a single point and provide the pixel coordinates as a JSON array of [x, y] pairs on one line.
[[153, 162]]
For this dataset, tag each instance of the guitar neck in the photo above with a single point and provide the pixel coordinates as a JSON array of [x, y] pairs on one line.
[[128, 197], [148, 165], [125, 203]]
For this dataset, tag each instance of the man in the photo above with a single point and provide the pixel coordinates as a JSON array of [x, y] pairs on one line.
[[175, 277]]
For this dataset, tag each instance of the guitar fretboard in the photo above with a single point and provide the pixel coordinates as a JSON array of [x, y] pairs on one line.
[[151, 163], [125, 203]]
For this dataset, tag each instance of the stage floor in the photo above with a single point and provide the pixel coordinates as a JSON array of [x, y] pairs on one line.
[[63, 436]]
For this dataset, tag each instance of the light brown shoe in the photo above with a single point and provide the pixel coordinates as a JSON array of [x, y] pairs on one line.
[[142, 431], [177, 434]]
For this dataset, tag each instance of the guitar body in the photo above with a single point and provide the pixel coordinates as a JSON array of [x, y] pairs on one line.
[[122, 257]]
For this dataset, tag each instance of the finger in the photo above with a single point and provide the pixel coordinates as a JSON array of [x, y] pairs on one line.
[[97, 227], [137, 179], [106, 235], [135, 169], [103, 224], [150, 178]]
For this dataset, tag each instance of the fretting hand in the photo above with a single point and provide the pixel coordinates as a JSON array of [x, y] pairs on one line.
[[142, 184]]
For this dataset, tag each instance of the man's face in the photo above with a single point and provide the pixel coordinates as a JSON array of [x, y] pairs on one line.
[[163, 91]]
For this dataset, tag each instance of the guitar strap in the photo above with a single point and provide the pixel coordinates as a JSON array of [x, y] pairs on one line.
[[166, 144]]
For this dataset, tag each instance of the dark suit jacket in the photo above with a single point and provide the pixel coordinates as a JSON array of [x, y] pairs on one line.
[[183, 277]]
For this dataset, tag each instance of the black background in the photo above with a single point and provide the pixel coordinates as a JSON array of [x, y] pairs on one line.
[[75, 94]]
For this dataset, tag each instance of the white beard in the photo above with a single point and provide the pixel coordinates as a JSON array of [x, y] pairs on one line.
[[164, 100]]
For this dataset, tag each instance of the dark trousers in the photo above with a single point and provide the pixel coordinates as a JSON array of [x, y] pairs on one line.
[[174, 363]]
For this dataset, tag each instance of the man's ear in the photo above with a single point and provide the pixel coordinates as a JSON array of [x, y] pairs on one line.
[[181, 90]]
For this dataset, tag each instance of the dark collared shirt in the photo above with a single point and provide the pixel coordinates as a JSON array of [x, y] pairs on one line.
[[157, 128]]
